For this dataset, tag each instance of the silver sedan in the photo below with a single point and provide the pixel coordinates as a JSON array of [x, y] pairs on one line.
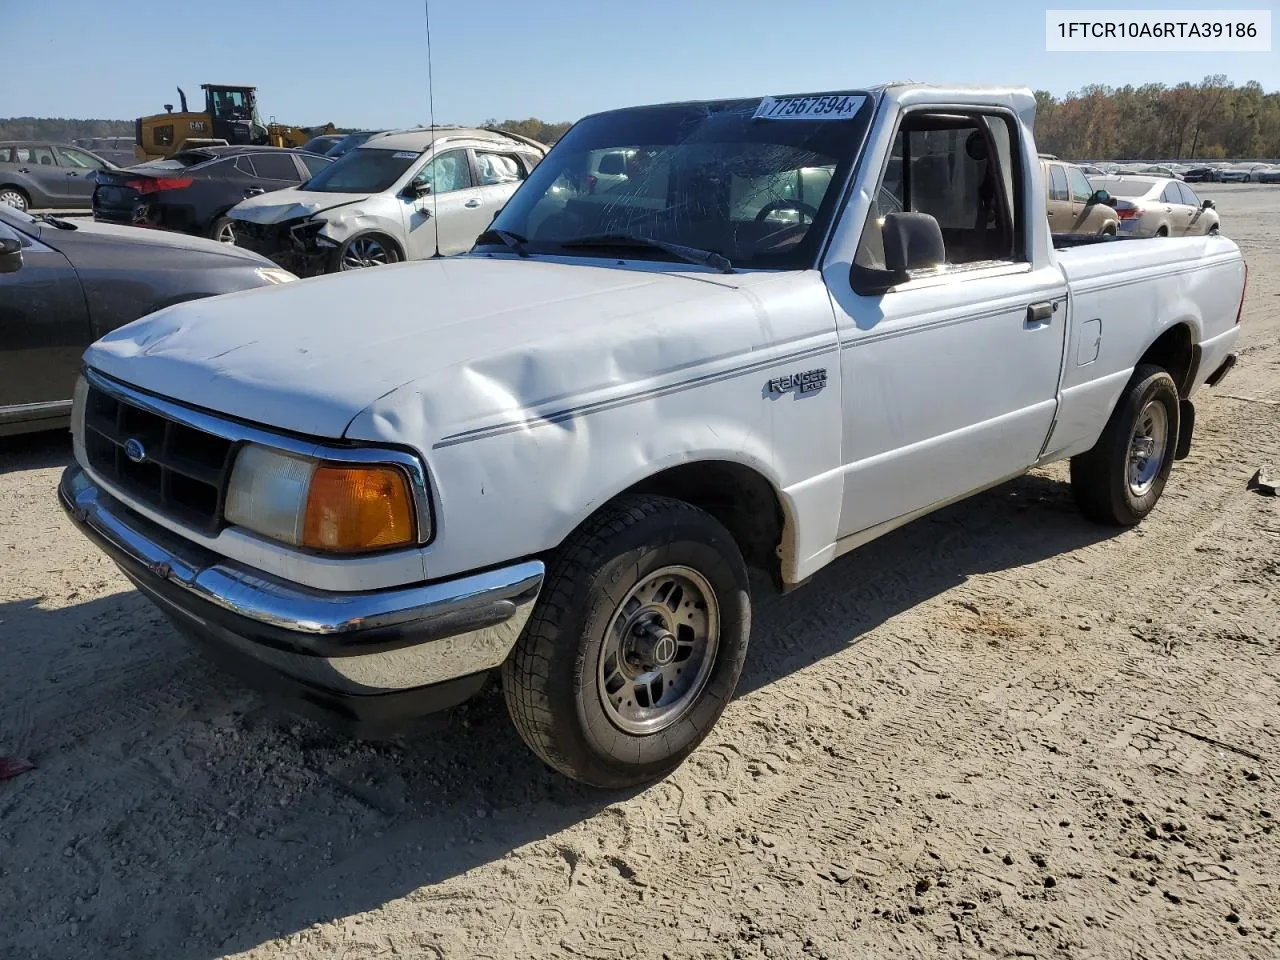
[[1158, 207]]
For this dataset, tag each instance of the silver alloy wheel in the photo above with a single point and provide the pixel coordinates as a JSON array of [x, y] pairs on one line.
[[1147, 447], [14, 199], [225, 233], [365, 252], [659, 650]]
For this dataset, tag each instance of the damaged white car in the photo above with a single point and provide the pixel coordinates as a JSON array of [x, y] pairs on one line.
[[405, 195]]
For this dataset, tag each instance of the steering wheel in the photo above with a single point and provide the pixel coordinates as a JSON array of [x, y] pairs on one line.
[[799, 206]]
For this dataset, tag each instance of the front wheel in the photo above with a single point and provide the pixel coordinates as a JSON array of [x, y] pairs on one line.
[[1119, 481], [635, 646], [365, 250]]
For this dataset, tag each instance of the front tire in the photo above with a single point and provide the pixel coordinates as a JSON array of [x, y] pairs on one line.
[[635, 646], [1119, 481], [364, 250], [15, 198]]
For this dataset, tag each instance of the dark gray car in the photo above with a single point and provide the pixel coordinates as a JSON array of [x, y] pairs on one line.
[[63, 284], [35, 173]]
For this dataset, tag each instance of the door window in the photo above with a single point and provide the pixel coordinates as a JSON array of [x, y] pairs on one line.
[[1080, 189], [80, 159], [446, 172], [497, 168], [314, 164], [274, 166], [962, 172], [41, 156], [1188, 195], [1058, 183], [1171, 194]]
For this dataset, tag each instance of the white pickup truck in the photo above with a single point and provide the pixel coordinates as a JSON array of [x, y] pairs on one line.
[[789, 326]]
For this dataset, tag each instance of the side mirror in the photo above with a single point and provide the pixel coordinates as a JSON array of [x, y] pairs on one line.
[[1102, 197], [911, 241], [420, 188], [10, 255], [1207, 205]]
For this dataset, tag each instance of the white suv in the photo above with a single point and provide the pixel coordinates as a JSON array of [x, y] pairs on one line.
[[403, 195]]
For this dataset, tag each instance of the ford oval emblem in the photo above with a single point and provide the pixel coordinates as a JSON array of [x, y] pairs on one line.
[[134, 450]]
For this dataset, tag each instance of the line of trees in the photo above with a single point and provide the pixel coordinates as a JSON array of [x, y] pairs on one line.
[[61, 129], [540, 130], [1209, 120]]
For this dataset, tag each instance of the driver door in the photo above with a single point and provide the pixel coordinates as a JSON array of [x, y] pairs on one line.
[[445, 219]]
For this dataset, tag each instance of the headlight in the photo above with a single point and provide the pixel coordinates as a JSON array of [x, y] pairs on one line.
[[340, 507], [275, 274]]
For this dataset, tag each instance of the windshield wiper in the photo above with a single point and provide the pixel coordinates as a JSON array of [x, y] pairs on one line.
[[704, 258], [53, 221], [512, 240]]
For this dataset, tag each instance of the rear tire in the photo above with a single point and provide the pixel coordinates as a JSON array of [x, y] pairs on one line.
[[1162, 232], [223, 230], [1119, 481], [635, 646], [15, 197]]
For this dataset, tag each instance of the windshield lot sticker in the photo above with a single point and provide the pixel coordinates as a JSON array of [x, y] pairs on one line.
[[831, 106], [404, 156]]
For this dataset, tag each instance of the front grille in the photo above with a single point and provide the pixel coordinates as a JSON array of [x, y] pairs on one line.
[[170, 466]]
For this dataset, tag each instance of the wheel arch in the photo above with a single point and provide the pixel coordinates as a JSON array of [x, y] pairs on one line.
[[1176, 350], [750, 505]]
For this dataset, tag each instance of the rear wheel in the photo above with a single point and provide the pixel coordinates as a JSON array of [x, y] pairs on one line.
[[14, 197], [1119, 481], [365, 250], [223, 230], [1162, 232], [636, 644]]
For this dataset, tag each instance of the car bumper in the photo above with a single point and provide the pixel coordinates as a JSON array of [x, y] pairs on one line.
[[296, 250], [366, 661]]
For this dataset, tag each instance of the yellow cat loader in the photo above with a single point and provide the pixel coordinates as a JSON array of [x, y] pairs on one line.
[[230, 116]]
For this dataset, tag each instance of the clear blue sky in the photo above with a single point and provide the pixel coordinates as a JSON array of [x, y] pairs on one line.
[[365, 63]]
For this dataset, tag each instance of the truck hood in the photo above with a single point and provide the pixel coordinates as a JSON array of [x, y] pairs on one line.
[[431, 347], [280, 206]]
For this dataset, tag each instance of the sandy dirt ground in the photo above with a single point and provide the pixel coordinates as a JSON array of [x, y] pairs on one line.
[[1000, 731]]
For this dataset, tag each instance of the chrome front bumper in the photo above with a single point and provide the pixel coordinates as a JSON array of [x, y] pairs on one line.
[[335, 645]]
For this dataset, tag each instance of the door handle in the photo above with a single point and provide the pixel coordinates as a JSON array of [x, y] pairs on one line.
[[472, 203], [1040, 313], [23, 170]]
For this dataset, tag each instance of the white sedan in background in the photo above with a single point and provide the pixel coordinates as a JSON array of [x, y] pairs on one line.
[[1158, 207], [404, 195]]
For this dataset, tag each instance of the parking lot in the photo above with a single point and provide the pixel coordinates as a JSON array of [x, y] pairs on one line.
[[1000, 731]]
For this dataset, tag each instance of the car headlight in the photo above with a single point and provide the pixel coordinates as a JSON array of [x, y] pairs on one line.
[[321, 505], [275, 274]]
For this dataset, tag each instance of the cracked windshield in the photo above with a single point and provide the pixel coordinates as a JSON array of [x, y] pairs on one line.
[[699, 178]]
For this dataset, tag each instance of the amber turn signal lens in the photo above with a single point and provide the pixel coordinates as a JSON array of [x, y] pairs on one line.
[[357, 508]]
